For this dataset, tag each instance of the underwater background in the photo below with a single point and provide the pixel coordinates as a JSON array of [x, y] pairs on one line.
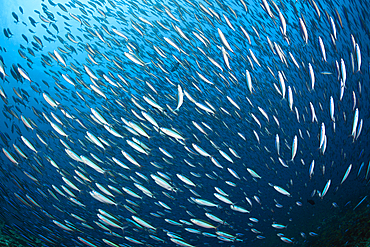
[[184, 123]]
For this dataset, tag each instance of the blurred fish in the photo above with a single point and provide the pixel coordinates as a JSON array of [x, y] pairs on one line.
[[15, 16], [312, 202], [147, 107]]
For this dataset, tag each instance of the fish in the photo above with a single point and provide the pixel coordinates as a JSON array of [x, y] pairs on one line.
[[282, 84], [312, 202], [346, 174], [311, 169], [253, 173], [249, 81], [277, 144], [332, 109], [312, 76], [282, 191], [326, 188], [224, 40], [294, 147], [15, 16], [148, 123], [358, 58], [180, 98], [290, 98], [322, 48], [304, 32], [322, 135], [355, 123], [343, 71]]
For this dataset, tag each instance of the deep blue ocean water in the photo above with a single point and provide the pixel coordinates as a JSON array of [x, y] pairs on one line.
[[131, 59]]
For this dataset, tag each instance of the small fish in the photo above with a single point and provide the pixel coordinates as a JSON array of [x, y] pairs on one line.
[[15, 16], [310, 201], [33, 22], [6, 33]]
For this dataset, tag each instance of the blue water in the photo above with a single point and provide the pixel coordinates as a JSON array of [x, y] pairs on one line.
[[221, 104]]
